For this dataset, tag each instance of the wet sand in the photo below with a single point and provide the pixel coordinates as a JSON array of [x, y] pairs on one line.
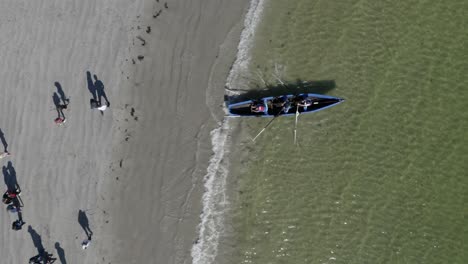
[[136, 169]]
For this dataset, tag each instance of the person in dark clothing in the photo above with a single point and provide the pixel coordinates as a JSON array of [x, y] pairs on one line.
[[303, 101], [45, 258], [9, 196], [17, 225], [282, 103]]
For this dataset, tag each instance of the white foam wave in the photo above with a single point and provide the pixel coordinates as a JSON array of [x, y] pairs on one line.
[[241, 65], [214, 198]]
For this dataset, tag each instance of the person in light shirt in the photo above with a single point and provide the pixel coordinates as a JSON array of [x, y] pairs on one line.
[[97, 105], [85, 244]]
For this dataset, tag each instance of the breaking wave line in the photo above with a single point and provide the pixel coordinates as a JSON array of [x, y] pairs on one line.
[[241, 65], [214, 201]]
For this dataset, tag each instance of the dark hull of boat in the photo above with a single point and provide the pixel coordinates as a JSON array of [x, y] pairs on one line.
[[319, 102]]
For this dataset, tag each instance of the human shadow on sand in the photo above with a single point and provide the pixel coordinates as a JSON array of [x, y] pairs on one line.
[[96, 88], [36, 238], [83, 220], [60, 101], [60, 253], [100, 90], [91, 87], [9, 176], [60, 91], [295, 88], [2, 138]]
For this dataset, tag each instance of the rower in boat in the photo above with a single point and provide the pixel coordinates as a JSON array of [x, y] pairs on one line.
[[303, 101], [282, 103], [273, 106], [257, 107]]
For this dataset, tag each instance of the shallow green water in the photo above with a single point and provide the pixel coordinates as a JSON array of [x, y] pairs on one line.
[[381, 178]]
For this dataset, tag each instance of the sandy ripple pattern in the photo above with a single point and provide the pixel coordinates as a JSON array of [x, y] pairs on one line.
[[57, 168], [136, 170]]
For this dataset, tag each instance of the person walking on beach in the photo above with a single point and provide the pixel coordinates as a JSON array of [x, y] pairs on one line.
[[84, 222], [9, 196], [43, 258], [60, 107], [18, 224], [61, 118], [97, 105], [96, 88], [12, 208], [86, 243]]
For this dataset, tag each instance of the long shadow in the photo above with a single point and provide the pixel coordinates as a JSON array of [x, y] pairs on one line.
[[36, 238], [60, 92], [83, 220], [2, 138], [296, 87], [56, 99], [60, 253], [100, 90], [9, 176], [91, 87], [58, 106]]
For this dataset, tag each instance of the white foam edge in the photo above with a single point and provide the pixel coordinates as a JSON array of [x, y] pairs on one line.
[[214, 202]]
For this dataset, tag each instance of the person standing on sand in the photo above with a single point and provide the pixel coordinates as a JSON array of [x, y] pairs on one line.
[[43, 258], [97, 105], [18, 224], [59, 121], [9, 196], [60, 107], [13, 208], [102, 108], [97, 90], [83, 220], [86, 243], [4, 154]]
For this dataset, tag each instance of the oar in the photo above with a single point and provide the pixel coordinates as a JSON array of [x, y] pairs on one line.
[[295, 125], [271, 121], [265, 127]]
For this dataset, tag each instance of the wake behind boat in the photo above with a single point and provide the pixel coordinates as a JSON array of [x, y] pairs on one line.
[[286, 105]]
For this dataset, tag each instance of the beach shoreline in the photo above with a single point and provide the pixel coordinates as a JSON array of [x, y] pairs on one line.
[[136, 169]]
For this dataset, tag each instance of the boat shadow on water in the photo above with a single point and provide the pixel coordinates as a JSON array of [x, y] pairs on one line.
[[297, 87]]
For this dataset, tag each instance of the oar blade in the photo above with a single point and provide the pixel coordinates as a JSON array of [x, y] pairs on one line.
[[258, 135], [295, 125]]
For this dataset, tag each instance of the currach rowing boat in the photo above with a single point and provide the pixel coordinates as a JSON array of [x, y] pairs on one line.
[[286, 105]]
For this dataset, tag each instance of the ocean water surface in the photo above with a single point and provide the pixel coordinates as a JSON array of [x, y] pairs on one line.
[[381, 178]]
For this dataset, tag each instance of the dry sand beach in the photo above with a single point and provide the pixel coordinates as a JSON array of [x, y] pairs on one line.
[[136, 169]]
